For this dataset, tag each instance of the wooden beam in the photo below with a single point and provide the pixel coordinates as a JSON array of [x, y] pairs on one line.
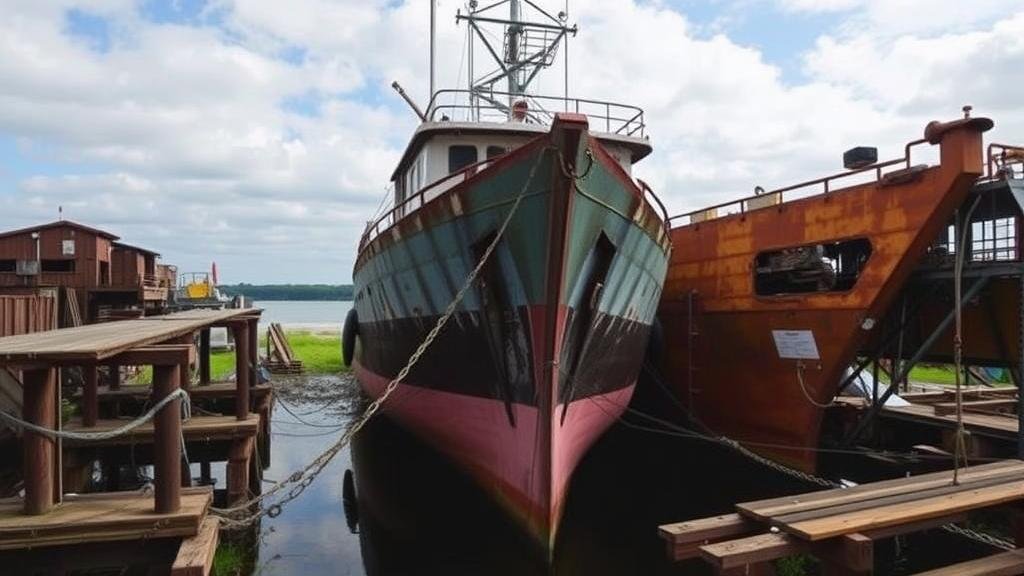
[[242, 369], [1010, 563], [167, 440], [204, 356], [38, 407], [704, 529], [158, 355], [195, 554], [90, 401], [987, 406], [752, 550]]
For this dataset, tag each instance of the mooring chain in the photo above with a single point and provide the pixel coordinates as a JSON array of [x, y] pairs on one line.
[[302, 479]]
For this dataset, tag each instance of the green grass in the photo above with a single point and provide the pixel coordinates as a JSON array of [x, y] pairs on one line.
[[934, 373], [228, 560], [320, 354]]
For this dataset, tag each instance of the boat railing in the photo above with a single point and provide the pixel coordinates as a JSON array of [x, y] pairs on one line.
[[476, 106], [1004, 161], [762, 199], [418, 199]]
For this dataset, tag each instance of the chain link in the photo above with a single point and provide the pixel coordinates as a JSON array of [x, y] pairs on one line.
[[240, 515]]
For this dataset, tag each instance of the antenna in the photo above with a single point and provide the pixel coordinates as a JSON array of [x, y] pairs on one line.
[[433, 47], [529, 45], [60, 213]]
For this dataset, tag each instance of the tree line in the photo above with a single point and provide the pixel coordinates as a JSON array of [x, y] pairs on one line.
[[289, 291]]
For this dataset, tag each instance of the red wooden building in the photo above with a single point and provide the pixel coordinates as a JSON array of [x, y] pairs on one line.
[[96, 276]]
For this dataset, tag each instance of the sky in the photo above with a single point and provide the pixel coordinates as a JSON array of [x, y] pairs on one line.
[[262, 134]]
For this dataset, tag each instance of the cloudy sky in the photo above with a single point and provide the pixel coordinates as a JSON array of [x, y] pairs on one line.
[[262, 133]]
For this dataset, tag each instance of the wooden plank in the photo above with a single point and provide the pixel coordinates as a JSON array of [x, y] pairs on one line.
[[947, 408], [195, 555], [830, 511], [904, 512], [108, 517], [160, 355], [197, 428], [705, 529], [1010, 563], [752, 550], [764, 510], [911, 527], [212, 390], [95, 342]]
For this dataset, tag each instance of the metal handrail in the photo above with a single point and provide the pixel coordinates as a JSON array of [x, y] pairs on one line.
[[994, 159], [373, 229], [876, 167], [622, 119]]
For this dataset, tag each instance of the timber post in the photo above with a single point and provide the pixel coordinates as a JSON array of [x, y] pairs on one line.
[[240, 329], [90, 400], [39, 408], [167, 440], [115, 375], [204, 356]]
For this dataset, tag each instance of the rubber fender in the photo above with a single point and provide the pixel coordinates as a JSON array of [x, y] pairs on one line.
[[348, 336]]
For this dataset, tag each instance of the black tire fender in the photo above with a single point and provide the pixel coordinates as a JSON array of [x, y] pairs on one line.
[[348, 336]]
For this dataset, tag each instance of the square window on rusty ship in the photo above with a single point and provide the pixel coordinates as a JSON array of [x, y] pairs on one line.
[[460, 156]]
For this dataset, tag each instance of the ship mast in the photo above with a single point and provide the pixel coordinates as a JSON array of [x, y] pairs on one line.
[[531, 37]]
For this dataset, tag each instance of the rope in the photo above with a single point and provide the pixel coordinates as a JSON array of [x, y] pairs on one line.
[[186, 414], [960, 442], [803, 388], [303, 478]]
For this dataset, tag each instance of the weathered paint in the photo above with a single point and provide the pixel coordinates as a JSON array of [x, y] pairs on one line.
[[490, 391], [740, 386]]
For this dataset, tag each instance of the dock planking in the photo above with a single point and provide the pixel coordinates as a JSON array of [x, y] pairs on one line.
[[95, 342], [88, 518], [196, 428], [195, 554]]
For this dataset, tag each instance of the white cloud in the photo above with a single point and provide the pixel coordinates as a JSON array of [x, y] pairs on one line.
[[198, 139]]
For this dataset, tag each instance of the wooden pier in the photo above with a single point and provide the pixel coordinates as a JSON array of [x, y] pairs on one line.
[[173, 511], [840, 526]]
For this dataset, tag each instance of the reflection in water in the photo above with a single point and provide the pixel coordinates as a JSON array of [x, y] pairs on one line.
[[418, 514]]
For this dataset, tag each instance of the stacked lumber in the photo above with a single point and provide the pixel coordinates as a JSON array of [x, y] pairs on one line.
[[72, 315], [840, 526], [108, 314], [280, 357]]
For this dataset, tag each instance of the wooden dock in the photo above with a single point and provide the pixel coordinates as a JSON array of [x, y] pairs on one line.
[[172, 510], [840, 526]]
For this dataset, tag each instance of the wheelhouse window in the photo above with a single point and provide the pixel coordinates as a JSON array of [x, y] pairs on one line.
[[494, 151], [460, 156], [994, 240], [828, 267]]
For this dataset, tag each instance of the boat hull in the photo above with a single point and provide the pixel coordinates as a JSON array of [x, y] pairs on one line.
[[760, 367], [542, 354]]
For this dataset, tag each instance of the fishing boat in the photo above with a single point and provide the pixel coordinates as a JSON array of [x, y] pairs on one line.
[[542, 353], [769, 298]]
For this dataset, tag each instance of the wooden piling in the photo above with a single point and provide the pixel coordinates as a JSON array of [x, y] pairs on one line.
[[240, 330], [167, 440], [115, 375], [40, 397], [204, 356], [90, 400]]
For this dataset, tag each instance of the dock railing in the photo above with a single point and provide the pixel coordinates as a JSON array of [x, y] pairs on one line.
[[758, 200]]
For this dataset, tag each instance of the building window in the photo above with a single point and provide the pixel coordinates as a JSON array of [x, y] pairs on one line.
[[494, 151], [58, 265], [829, 267], [461, 156], [994, 240], [8, 265]]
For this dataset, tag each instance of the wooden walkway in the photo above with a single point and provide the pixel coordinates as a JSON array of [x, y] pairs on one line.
[[840, 526], [198, 428], [989, 412], [101, 518]]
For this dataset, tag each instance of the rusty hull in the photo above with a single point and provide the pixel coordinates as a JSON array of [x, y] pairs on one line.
[[737, 384]]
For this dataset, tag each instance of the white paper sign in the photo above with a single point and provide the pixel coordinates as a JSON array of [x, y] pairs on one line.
[[796, 344], [68, 247]]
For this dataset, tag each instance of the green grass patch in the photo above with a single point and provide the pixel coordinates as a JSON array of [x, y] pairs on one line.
[[228, 560], [320, 354]]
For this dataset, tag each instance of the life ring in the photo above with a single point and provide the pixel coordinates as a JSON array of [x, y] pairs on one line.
[[348, 336]]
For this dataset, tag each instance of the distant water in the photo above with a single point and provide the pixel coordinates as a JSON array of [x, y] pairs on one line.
[[313, 315]]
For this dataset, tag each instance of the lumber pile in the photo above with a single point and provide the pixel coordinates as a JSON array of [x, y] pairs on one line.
[[840, 526], [108, 314], [280, 357]]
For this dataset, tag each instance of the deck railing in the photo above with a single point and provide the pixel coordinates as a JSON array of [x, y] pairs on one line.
[[476, 106], [1004, 160], [742, 205]]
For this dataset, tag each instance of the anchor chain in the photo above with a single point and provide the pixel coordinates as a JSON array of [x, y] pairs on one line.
[[240, 515]]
